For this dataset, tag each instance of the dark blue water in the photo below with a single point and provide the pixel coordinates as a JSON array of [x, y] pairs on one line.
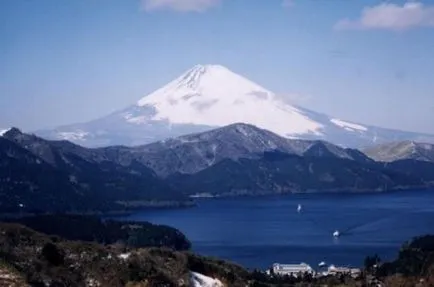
[[257, 232]]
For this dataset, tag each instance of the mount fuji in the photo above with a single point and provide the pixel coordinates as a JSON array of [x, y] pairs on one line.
[[210, 96]]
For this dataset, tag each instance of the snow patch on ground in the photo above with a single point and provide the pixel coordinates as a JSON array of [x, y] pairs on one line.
[[124, 256], [200, 280], [348, 126]]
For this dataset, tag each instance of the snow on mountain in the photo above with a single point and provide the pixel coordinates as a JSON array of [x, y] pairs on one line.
[[195, 152], [3, 131], [349, 126], [214, 96], [211, 96], [77, 135], [389, 152]]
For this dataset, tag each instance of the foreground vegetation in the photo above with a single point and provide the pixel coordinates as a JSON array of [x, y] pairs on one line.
[[94, 229], [105, 253], [42, 260], [413, 267]]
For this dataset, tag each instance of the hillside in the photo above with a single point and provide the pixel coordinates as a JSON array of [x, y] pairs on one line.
[[40, 260], [192, 153], [29, 258], [39, 175], [94, 229], [422, 169], [414, 265], [405, 150], [27, 181], [50, 176], [276, 172]]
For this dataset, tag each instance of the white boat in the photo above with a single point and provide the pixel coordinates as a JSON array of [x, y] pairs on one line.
[[299, 208]]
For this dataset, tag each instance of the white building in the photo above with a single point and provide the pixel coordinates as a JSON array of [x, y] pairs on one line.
[[292, 269], [333, 270]]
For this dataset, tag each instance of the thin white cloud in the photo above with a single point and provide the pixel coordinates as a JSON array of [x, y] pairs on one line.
[[389, 16], [179, 5]]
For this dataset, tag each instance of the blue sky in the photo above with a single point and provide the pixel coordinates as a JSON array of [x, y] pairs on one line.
[[70, 61]]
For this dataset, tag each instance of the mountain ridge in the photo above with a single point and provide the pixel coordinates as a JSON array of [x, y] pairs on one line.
[[278, 173], [239, 159], [195, 152], [84, 178], [401, 151]]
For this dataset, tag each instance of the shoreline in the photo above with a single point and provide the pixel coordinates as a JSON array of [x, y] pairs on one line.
[[151, 205], [135, 206], [246, 194]]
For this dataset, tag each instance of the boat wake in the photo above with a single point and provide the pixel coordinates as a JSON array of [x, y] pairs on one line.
[[366, 226]]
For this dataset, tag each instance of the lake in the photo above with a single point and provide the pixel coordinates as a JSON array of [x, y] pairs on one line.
[[259, 231]]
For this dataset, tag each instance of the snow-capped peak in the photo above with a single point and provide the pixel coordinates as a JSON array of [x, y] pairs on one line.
[[3, 131], [199, 81], [213, 95]]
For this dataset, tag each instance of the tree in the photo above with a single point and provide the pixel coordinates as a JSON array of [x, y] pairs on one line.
[[371, 261], [52, 254]]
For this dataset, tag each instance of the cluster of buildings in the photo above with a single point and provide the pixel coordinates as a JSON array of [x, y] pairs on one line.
[[292, 269], [333, 270], [303, 269]]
